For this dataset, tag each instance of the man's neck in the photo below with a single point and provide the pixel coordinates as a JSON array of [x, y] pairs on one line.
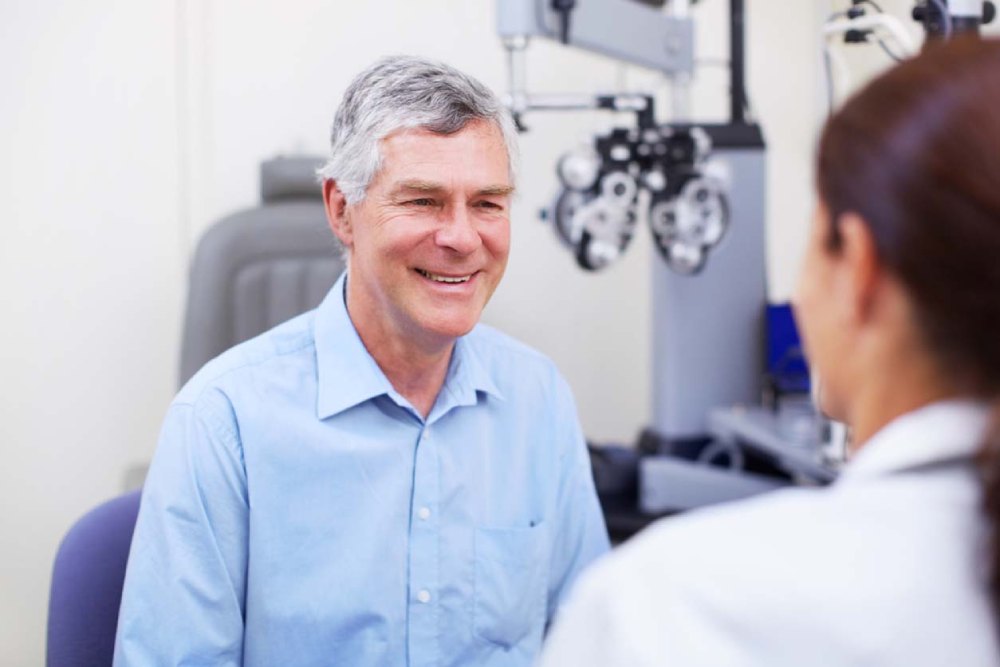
[[414, 368], [415, 373]]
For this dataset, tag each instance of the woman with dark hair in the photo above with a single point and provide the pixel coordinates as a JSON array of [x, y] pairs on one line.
[[898, 302]]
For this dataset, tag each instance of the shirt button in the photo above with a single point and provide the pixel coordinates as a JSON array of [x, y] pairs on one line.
[[424, 513], [424, 596]]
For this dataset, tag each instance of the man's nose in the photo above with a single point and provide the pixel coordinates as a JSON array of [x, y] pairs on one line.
[[458, 231]]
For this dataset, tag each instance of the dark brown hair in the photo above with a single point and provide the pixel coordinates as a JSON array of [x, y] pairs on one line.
[[916, 154]]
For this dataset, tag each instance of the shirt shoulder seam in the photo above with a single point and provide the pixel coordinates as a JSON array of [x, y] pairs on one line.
[[212, 383]]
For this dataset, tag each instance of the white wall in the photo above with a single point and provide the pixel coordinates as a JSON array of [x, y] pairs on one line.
[[129, 126], [91, 273]]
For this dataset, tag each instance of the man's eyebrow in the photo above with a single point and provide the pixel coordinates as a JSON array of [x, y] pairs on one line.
[[496, 190], [418, 186], [432, 187]]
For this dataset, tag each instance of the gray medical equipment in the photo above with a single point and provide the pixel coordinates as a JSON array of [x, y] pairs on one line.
[[700, 188], [638, 33], [258, 267], [663, 173], [865, 22]]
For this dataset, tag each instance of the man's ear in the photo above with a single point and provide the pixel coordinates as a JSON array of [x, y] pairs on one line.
[[861, 274], [336, 213]]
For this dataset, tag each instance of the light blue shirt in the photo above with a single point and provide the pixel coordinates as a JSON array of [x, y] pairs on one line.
[[299, 511]]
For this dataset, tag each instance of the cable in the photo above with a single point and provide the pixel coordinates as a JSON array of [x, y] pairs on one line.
[[874, 4], [889, 52], [834, 65], [828, 66]]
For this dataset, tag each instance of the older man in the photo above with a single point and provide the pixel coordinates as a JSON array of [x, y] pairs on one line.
[[380, 481]]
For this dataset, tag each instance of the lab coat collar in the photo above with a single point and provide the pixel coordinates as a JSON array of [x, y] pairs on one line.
[[937, 433], [348, 375]]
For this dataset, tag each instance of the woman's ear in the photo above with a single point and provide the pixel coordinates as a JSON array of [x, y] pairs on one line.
[[860, 266], [336, 213]]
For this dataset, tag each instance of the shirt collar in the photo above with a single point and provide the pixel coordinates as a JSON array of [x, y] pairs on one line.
[[348, 375], [938, 432], [467, 376]]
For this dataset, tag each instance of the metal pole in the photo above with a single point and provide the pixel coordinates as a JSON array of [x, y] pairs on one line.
[[680, 93], [737, 73], [516, 72]]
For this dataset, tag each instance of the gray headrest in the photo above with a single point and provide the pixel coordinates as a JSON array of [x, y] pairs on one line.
[[290, 177]]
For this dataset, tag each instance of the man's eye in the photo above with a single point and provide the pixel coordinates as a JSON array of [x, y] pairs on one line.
[[420, 202], [491, 206]]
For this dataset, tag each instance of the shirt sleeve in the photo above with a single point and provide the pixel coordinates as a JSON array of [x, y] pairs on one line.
[[580, 533], [184, 594]]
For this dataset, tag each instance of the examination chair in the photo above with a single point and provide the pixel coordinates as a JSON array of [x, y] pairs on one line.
[[259, 267], [251, 271]]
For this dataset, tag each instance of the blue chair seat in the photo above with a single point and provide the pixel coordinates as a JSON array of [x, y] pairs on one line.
[[87, 581]]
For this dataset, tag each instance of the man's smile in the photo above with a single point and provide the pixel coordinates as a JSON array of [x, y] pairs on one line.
[[441, 278]]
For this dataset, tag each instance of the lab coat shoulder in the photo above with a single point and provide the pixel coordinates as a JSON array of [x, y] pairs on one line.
[[737, 559], [843, 573], [681, 589]]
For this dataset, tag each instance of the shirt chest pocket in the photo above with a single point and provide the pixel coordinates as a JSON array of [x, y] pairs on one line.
[[511, 583]]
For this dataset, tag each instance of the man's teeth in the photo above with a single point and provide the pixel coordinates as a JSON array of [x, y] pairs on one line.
[[443, 279]]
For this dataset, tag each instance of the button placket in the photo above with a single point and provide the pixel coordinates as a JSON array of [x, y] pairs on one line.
[[424, 552]]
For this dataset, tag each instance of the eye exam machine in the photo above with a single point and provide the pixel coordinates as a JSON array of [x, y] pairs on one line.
[[725, 423]]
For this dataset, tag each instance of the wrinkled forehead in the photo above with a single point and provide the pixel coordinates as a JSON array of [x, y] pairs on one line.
[[422, 155]]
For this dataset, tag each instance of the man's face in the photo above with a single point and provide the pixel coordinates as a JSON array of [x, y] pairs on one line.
[[429, 242]]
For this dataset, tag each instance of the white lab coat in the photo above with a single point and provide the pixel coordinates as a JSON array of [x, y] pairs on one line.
[[884, 567]]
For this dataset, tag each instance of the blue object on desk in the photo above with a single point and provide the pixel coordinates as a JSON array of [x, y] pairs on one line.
[[786, 362]]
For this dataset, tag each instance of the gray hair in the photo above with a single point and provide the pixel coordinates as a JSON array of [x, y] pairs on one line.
[[405, 92]]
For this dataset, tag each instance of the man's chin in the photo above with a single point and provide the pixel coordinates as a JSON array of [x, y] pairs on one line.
[[450, 328], [455, 331]]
